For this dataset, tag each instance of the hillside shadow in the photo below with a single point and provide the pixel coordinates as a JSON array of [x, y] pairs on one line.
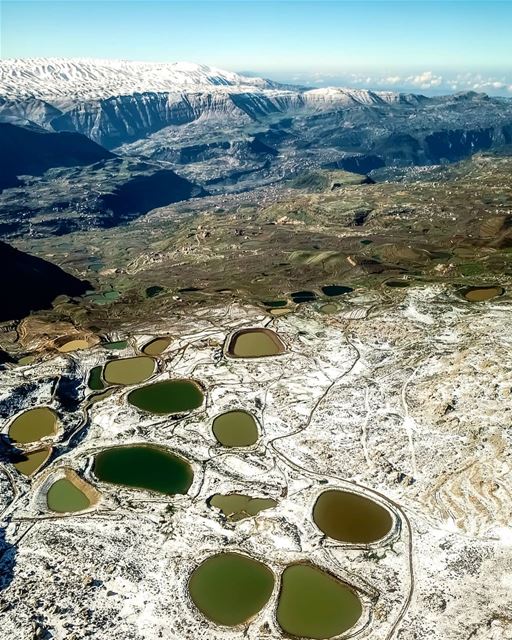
[[7, 561]]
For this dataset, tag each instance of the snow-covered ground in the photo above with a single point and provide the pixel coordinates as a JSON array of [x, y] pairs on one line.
[[409, 404]]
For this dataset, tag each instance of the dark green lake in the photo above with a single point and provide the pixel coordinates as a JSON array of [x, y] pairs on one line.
[[303, 296], [336, 290], [168, 396], [153, 291], [230, 589], [95, 381], [144, 467], [114, 346]]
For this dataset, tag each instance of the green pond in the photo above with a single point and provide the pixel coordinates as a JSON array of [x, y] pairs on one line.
[[235, 429], [32, 425], [95, 381], [115, 346], [129, 370], [144, 467], [157, 346], [237, 506], [481, 294], [303, 296], [350, 517], [275, 304], [153, 291], [336, 290], [28, 463], [169, 396], [314, 604], [64, 497], [255, 343], [397, 284], [230, 589]]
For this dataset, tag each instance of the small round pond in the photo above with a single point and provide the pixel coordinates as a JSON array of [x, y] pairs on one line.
[[314, 604], [255, 343], [237, 506], [329, 308], [156, 346], [481, 294], [144, 467], [235, 429], [230, 589], [32, 425], [65, 497], [168, 396], [129, 370], [350, 517]]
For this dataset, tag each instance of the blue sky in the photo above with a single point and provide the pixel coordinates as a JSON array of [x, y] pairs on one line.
[[432, 45]]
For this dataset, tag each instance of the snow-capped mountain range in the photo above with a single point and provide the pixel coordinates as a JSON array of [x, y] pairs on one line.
[[84, 79], [54, 79]]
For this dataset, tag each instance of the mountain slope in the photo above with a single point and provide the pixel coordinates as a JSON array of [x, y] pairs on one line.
[[32, 283], [32, 150], [104, 194]]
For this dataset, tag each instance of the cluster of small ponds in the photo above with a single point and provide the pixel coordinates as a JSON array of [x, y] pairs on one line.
[[227, 588], [283, 306]]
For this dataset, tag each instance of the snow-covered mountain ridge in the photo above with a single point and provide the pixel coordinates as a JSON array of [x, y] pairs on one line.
[[81, 79], [50, 78]]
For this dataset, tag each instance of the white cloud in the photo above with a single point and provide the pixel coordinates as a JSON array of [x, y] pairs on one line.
[[425, 80]]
